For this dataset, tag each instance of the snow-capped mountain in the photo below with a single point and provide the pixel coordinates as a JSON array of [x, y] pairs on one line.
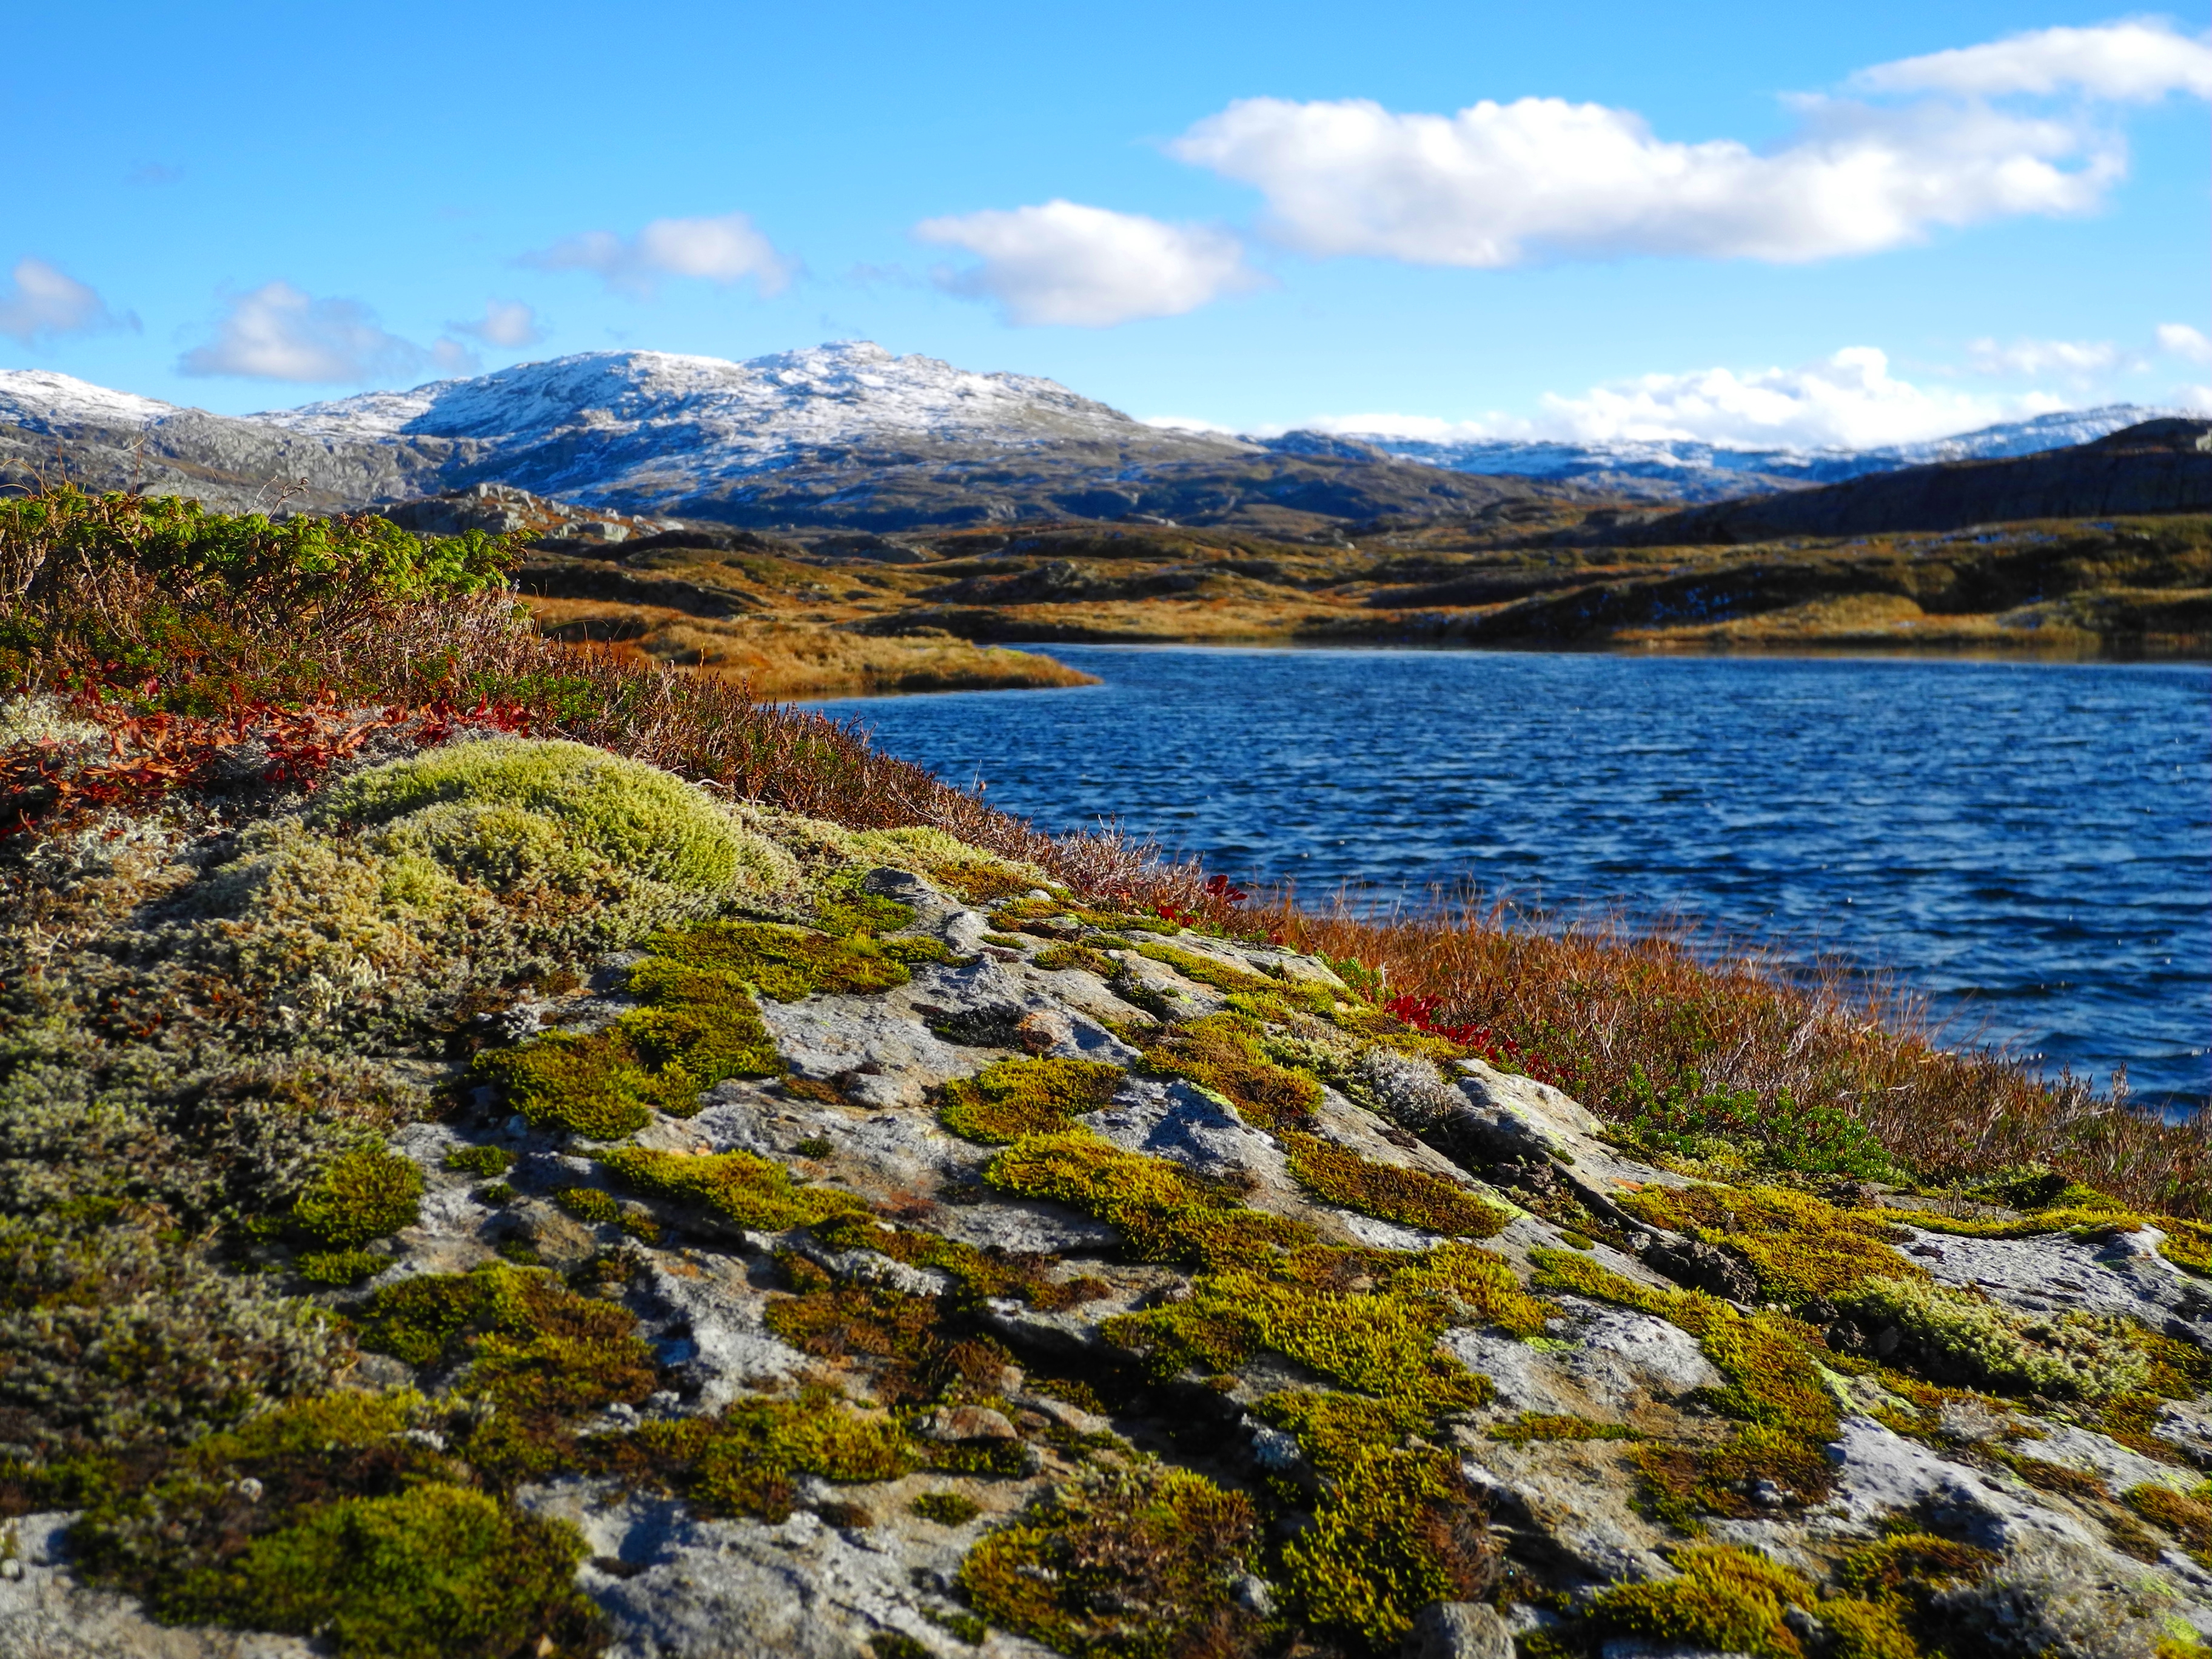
[[851, 435], [1683, 469]]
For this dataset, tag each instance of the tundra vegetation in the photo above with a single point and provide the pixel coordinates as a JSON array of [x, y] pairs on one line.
[[417, 1097]]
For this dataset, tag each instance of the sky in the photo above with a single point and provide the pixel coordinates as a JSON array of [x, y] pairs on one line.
[[1746, 224]]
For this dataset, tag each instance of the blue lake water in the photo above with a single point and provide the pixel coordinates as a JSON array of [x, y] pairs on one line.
[[2028, 843]]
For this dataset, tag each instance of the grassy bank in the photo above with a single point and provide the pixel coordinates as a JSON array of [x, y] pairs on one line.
[[2131, 586], [212, 647]]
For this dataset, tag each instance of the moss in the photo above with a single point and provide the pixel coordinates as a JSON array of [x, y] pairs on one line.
[[1164, 1545], [340, 1267], [1724, 1599], [589, 1204], [947, 1509], [783, 962], [1396, 1529], [596, 1085], [538, 1349], [1777, 1388], [896, 1644], [2189, 1519], [1799, 1247], [364, 1193], [630, 814], [750, 1191], [901, 1342], [1970, 1340], [979, 1275], [1413, 1198], [434, 1572], [356, 1529], [1908, 1561], [1163, 1213], [1063, 958], [1010, 1098], [813, 1146], [1207, 970], [495, 1194], [1224, 1052], [487, 1162], [1530, 1426], [748, 1460]]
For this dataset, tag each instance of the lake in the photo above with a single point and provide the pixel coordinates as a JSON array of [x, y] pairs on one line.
[[2030, 844]]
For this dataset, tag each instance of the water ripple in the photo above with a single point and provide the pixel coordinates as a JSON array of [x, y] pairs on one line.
[[2030, 844]]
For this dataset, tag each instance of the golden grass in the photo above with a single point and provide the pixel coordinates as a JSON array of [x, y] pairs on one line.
[[778, 658]]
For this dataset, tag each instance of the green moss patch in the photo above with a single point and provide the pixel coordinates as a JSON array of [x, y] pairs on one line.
[[1166, 1546], [1163, 1213], [1972, 1340], [1010, 1098], [366, 1192], [979, 1275], [751, 1191], [487, 1162], [947, 1509], [1724, 1600], [630, 814], [748, 1460], [1776, 1389], [1395, 1530], [784, 963], [1412, 1198], [911, 1352], [353, 1529], [539, 1349], [1799, 1247], [1207, 970], [1223, 1053]]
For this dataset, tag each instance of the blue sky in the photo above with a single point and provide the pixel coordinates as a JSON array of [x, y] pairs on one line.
[[1724, 220]]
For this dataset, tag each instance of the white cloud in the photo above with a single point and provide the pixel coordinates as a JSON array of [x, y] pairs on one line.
[[278, 333], [2179, 340], [507, 323], [1088, 267], [1500, 184], [724, 249], [1848, 400], [2076, 359], [42, 303], [2138, 60]]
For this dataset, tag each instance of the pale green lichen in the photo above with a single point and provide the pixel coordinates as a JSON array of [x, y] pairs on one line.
[[1989, 1345]]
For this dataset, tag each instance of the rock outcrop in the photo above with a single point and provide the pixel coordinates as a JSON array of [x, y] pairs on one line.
[[748, 1236]]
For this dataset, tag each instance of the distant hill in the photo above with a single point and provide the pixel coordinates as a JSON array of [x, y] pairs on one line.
[[2162, 465], [839, 437], [1683, 470]]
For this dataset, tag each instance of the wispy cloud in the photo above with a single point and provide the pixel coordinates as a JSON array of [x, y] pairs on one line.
[[1502, 184], [276, 332], [726, 249], [2076, 359], [42, 303], [507, 323], [1087, 267]]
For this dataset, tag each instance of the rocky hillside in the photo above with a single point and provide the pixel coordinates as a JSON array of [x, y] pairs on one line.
[[2154, 467], [842, 436], [512, 1200]]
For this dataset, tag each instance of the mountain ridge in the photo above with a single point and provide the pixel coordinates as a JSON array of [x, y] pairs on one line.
[[850, 435]]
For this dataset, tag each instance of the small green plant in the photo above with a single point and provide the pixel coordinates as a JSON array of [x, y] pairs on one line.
[[813, 1146], [590, 1204], [488, 1162], [341, 1266], [747, 1190], [1413, 1198], [947, 1509]]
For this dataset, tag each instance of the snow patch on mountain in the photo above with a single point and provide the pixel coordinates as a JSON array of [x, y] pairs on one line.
[[1707, 469], [728, 418], [43, 401]]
